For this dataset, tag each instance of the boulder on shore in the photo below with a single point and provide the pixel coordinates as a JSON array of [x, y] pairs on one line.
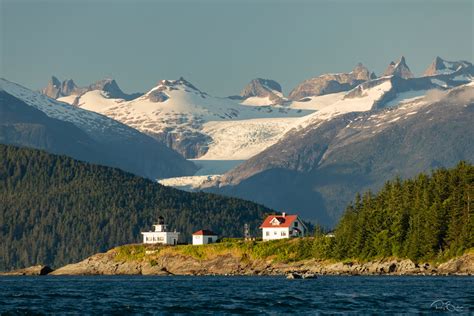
[[296, 275], [463, 265]]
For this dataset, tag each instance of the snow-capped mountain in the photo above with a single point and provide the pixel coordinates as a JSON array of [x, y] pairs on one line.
[[317, 169], [331, 83], [202, 126], [399, 69], [440, 66], [373, 95], [193, 122], [67, 91], [261, 92], [34, 120], [91, 122], [234, 129]]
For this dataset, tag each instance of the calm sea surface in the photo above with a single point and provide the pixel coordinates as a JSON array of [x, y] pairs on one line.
[[236, 295]]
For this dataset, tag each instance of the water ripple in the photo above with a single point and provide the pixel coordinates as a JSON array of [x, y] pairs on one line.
[[150, 295]]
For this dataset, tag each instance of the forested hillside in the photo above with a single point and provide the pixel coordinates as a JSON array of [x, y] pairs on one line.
[[427, 217], [56, 210]]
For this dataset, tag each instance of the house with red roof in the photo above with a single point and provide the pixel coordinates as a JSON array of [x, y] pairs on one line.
[[203, 237], [282, 226]]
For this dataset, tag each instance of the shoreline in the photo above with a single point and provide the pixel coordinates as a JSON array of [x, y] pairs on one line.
[[168, 261]]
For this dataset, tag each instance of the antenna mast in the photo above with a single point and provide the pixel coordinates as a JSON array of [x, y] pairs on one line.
[[246, 231]]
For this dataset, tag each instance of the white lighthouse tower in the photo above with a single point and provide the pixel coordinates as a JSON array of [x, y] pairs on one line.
[[160, 235]]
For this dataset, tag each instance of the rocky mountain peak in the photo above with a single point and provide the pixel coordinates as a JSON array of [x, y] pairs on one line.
[[260, 88], [53, 88], [399, 69], [172, 84], [186, 83], [332, 83], [159, 94], [54, 82], [68, 87], [112, 89], [439, 66], [56, 89], [108, 85], [438, 62], [360, 72], [101, 84], [263, 88]]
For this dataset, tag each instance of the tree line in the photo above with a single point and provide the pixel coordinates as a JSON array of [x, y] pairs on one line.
[[428, 217]]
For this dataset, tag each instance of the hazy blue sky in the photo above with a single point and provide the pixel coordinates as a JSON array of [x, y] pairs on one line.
[[221, 45]]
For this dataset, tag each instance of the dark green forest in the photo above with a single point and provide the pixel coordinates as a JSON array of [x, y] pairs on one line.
[[429, 217], [56, 210]]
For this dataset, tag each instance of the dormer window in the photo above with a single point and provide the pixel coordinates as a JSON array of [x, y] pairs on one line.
[[275, 222], [295, 224]]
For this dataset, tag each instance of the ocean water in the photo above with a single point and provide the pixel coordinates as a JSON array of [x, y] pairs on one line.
[[236, 295]]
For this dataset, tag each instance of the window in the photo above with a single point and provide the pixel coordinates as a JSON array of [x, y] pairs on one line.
[[274, 233], [267, 233], [209, 240], [283, 233], [295, 224]]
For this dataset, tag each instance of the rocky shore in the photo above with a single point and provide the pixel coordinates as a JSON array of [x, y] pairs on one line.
[[171, 263], [33, 270]]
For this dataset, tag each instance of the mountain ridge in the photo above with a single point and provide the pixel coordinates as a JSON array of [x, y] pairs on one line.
[[399, 69], [440, 66], [34, 120], [187, 119], [331, 83], [68, 88], [323, 161]]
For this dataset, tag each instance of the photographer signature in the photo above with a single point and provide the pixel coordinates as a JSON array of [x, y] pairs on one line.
[[445, 306]]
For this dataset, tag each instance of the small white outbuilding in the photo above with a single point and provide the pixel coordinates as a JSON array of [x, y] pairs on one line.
[[160, 235], [203, 237]]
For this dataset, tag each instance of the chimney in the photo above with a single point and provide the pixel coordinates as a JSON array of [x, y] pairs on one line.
[[283, 214]]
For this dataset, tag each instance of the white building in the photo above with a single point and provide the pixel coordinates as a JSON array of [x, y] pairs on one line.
[[282, 226], [160, 235], [203, 237]]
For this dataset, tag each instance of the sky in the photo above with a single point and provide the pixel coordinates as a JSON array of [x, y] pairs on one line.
[[220, 45]]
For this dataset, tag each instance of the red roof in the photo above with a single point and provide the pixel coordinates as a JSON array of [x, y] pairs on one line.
[[205, 232], [285, 221]]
